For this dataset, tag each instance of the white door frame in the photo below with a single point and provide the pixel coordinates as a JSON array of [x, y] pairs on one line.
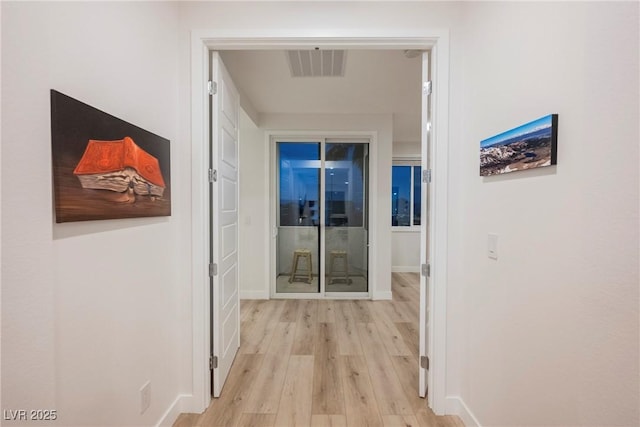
[[204, 40]]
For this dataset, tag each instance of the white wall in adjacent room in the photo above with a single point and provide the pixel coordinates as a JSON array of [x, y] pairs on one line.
[[405, 251], [407, 150], [254, 193], [91, 311], [253, 255]]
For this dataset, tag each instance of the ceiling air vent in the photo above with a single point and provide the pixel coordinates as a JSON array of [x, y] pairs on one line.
[[316, 63]]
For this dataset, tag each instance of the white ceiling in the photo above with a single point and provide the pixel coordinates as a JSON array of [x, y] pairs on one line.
[[375, 82]]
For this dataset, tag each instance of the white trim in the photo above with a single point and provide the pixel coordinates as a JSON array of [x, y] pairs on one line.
[[230, 39], [405, 229], [272, 229], [262, 294], [426, 301], [455, 405], [269, 270], [411, 160], [439, 232], [346, 295], [173, 412], [201, 396], [381, 295], [405, 269], [203, 40]]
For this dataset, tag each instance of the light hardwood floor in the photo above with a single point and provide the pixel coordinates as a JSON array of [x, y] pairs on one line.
[[326, 363]]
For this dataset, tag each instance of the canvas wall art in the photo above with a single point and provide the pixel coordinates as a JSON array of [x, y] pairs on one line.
[[104, 167], [531, 145]]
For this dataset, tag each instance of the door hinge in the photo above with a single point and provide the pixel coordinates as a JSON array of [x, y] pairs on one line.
[[426, 176], [213, 175], [424, 362], [213, 362], [426, 88], [212, 87], [426, 270], [213, 269]]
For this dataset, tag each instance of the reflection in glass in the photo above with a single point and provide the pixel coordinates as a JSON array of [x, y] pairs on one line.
[[406, 184], [346, 236], [299, 224], [401, 196], [299, 167]]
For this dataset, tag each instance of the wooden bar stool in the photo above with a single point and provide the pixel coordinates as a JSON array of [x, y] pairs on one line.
[[296, 269], [334, 272]]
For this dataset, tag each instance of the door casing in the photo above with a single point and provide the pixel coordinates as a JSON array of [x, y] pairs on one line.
[[202, 41]]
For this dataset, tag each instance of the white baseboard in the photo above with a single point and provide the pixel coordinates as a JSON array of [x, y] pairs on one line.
[[405, 269], [171, 414], [383, 295], [456, 406], [263, 294]]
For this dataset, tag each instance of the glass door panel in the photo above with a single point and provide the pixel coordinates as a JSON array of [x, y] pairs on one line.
[[298, 216], [346, 217]]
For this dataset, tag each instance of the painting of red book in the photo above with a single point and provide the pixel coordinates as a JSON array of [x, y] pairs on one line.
[[120, 166], [104, 167]]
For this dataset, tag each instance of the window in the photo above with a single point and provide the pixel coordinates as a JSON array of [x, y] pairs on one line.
[[405, 194]]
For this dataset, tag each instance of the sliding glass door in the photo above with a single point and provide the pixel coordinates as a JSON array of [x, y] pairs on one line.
[[322, 218], [346, 220]]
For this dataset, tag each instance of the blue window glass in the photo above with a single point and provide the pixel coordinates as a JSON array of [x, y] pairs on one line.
[[405, 195], [417, 197], [345, 184], [401, 196], [299, 183]]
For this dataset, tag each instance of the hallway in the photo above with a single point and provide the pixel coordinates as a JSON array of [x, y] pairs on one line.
[[326, 363]]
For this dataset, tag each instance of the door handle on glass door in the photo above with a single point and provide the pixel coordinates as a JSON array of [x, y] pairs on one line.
[[274, 234]]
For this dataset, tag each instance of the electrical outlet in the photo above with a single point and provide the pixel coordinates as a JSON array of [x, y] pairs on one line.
[[145, 397]]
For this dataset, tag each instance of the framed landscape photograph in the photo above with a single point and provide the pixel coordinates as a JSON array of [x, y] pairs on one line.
[[104, 167], [531, 145]]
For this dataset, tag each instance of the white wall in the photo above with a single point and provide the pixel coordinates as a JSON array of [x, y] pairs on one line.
[[405, 250], [551, 327], [253, 257], [407, 149], [92, 310]]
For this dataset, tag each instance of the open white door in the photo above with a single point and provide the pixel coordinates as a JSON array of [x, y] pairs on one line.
[[425, 239], [225, 301]]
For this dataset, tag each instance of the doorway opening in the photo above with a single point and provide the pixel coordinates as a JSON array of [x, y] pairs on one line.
[[437, 43]]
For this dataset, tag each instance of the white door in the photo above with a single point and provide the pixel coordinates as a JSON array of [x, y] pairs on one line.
[[425, 244], [225, 301]]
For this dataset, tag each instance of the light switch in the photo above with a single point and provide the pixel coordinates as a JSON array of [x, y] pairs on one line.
[[492, 246]]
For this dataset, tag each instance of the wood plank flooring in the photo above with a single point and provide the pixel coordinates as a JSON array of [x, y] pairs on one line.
[[326, 363]]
